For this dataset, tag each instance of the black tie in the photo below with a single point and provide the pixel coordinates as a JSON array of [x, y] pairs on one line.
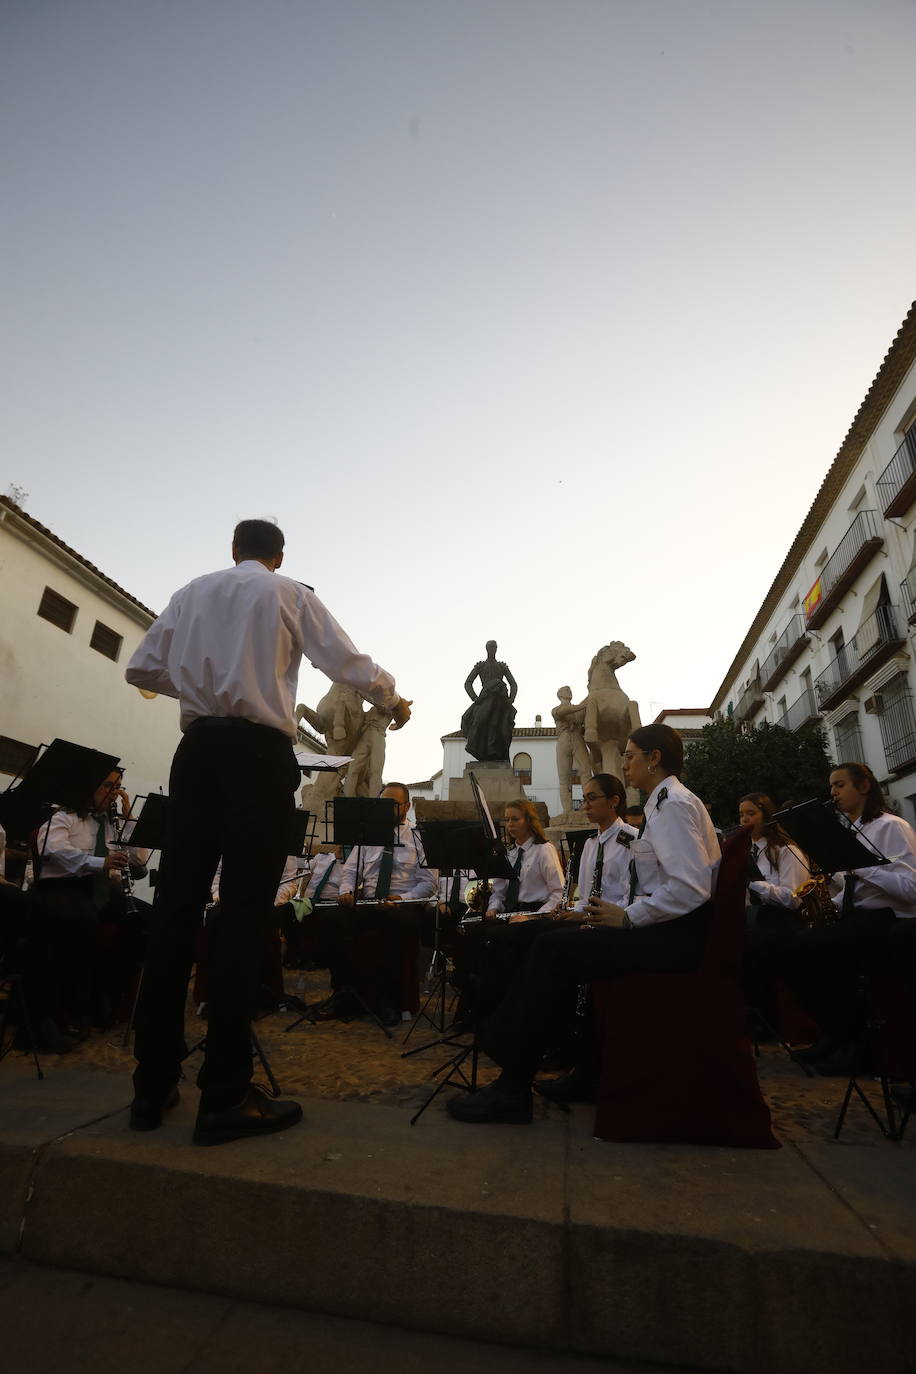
[[514, 884]]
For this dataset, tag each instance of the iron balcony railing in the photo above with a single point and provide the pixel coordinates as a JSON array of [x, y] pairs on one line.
[[801, 712], [860, 542], [898, 728], [897, 484], [906, 601], [784, 652], [750, 700], [875, 641]]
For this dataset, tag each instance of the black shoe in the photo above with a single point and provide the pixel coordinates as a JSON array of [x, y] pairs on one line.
[[576, 1086], [340, 1006], [256, 1114], [819, 1050], [492, 1103], [845, 1062], [146, 1115]]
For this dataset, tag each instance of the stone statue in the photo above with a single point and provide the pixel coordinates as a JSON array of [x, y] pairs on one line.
[[572, 753], [364, 775], [488, 722], [339, 716], [610, 715]]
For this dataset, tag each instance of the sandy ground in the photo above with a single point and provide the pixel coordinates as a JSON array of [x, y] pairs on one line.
[[355, 1060]]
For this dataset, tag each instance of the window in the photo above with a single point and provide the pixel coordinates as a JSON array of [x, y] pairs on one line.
[[521, 767], [106, 641], [848, 738], [898, 722], [57, 609], [15, 757]]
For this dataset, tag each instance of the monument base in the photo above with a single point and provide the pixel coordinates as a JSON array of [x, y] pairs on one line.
[[497, 781], [567, 820]]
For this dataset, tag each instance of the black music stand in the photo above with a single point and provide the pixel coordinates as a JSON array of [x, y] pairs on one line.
[[149, 832], [834, 845], [63, 774], [452, 846], [357, 821], [493, 862]]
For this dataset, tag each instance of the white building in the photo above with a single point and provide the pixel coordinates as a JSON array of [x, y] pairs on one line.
[[533, 756], [832, 639], [66, 633], [688, 721]]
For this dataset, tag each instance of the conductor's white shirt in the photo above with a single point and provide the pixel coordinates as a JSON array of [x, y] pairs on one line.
[[230, 644], [676, 857], [410, 879], [615, 867], [540, 878]]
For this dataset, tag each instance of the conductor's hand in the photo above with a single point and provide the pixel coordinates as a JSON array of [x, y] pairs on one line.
[[345, 899], [604, 913], [401, 714], [115, 864]]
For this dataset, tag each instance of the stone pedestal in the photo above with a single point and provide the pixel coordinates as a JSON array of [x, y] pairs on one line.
[[567, 820], [497, 782]]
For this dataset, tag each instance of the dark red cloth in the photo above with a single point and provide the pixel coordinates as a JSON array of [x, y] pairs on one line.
[[676, 1058]]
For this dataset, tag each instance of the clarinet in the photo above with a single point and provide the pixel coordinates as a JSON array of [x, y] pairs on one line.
[[127, 882]]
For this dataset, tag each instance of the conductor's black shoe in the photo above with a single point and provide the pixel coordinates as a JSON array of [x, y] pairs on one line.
[[256, 1114], [492, 1103], [146, 1115], [576, 1086]]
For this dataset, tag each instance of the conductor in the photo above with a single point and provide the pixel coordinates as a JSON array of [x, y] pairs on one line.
[[229, 646]]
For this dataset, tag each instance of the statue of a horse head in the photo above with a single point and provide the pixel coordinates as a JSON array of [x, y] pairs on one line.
[[611, 656]]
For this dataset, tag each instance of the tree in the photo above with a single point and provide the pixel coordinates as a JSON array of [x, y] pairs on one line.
[[725, 763]]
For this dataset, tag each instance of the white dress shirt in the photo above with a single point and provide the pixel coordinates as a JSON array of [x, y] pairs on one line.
[[777, 888], [540, 878], [289, 881], [66, 845], [886, 885], [411, 880], [676, 857], [615, 868], [230, 644], [320, 865]]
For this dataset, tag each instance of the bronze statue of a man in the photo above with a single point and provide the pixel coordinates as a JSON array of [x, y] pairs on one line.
[[488, 722]]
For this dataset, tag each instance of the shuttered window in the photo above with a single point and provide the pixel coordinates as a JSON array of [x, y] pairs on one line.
[[57, 609], [106, 641]]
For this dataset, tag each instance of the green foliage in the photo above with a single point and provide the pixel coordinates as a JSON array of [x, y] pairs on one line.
[[726, 762]]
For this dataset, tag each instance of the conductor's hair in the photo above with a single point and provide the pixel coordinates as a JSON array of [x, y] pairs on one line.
[[402, 788], [668, 743], [258, 538]]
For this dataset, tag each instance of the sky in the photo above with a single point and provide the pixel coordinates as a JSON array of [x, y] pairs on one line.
[[534, 320]]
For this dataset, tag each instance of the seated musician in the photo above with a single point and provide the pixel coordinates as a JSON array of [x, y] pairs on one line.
[[79, 886], [876, 931], [489, 954], [661, 927], [776, 870], [392, 880], [319, 883], [24, 940]]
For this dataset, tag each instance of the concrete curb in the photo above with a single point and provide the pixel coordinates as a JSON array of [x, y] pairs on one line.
[[735, 1260]]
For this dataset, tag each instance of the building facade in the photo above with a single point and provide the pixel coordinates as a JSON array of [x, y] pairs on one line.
[[832, 641]]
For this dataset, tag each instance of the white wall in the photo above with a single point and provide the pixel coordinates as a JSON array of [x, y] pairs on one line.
[[53, 684]]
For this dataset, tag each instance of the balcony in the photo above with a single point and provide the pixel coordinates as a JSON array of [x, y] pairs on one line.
[[906, 602], [801, 712], [897, 483], [859, 544], [750, 700], [783, 653], [876, 640]]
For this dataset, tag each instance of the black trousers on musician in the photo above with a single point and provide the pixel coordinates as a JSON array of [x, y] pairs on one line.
[[488, 956], [822, 963], [338, 929], [524, 1024], [231, 797]]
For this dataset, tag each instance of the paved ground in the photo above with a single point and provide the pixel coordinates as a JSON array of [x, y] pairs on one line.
[[54, 1321]]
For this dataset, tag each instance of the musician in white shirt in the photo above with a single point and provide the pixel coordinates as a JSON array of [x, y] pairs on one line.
[[537, 886], [603, 796], [662, 927], [391, 881], [782, 867], [229, 646]]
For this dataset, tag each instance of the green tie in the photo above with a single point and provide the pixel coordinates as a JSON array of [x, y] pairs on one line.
[[316, 895], [633, 878], [514, 884], [383, 885], [101, 883]]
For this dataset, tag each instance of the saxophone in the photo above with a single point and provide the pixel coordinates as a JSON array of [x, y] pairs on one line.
[[816, 903]]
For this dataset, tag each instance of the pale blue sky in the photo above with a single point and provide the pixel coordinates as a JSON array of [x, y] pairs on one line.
[[539, 321]]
